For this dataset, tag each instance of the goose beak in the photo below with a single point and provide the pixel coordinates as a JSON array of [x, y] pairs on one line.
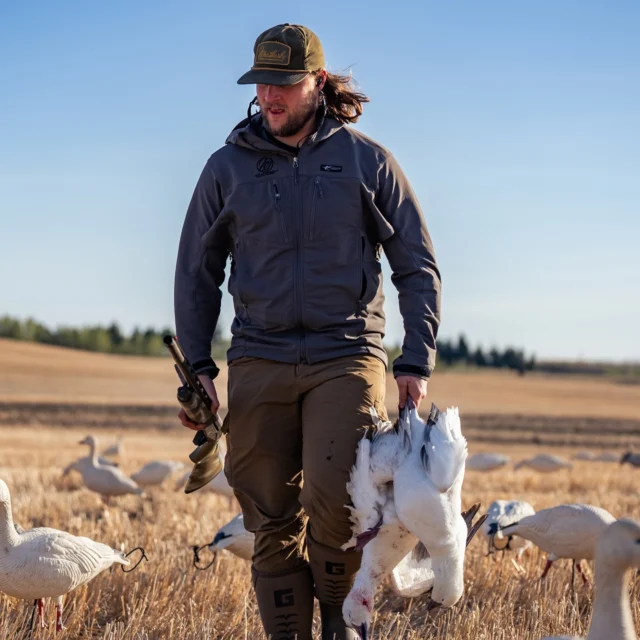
[[83, 441]]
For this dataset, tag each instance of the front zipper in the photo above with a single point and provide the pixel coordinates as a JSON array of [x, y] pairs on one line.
[[317, 189], [277, 197], [363, 285], [298, 271]]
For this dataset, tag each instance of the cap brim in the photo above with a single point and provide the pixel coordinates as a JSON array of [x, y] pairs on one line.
[[263, 76]]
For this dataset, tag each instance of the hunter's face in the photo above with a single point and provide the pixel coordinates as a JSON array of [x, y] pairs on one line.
[[286, 109]]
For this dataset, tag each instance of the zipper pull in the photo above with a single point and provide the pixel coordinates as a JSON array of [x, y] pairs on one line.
[[276, 193], [319, 188], [295, 169]]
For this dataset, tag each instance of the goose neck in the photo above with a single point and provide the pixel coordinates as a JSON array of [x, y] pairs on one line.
[[8, 533], [612, 610]]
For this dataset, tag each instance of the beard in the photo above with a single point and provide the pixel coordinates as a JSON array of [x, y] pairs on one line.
[[295, 121]]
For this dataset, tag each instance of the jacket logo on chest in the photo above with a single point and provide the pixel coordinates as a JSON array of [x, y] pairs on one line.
[[265, 167], [334, 168]]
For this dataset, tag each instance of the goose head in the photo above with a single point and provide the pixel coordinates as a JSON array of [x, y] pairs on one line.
[[89, 440], [626, 457], [357, 610], [5, 496], [619, 544]]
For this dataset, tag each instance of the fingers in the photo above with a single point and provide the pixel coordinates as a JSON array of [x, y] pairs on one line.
[[402, 391], [411, 386], [187, 423]]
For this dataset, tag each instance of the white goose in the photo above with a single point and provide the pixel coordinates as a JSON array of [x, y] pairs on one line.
[[502, 513], [47, 563], [617, 550], [156, 472], [406, 485], [107, 481], [544, 463], [486, 461], [565, 531]]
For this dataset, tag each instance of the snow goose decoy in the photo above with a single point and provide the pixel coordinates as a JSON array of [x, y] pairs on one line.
[[631, 458], [406, 486], [84, 463], [116, 449], [47, 563], [156, 472], [486, 461], [233, 537], [617, 551], [607, 456], [500, 514], [584, 455], [566, 531], [107, 481], [544, 463]]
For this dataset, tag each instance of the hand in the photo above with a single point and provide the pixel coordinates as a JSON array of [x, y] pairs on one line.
[[207, 383], [411, 386]]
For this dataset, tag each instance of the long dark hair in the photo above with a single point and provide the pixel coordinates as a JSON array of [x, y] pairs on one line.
[[343, 102]]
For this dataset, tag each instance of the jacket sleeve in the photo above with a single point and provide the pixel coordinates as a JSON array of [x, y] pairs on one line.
[[202, 255], [414, 270]]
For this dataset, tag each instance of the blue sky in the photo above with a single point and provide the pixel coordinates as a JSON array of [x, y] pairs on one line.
[[518, 125]]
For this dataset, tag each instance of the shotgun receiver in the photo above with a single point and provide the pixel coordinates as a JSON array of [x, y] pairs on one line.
[[194, 399]]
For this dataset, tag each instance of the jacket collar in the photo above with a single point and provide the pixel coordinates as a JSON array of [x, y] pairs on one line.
[[247, 133]]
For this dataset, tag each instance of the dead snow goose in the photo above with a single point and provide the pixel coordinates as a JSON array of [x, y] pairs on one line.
[[107, 481], [406, 486], [566, 531], [544, 463], [617, 551], [156, 472], [47, 563], [486, 461]]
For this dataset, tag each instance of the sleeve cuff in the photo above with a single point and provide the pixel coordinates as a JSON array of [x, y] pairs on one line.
[[206, 367], [411, 370]]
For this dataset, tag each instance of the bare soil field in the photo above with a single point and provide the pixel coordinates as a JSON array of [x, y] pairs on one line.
[[53, 386], [50, 398]]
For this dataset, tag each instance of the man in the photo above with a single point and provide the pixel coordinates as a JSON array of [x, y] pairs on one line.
[[303, 204]]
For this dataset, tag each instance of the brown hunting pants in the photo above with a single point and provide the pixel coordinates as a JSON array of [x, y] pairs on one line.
[[293, 431]]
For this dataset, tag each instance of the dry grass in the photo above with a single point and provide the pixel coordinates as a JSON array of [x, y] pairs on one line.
[[167, 600]]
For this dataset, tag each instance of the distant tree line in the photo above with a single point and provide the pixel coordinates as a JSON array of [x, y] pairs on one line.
[[148, 342], [110, 339], [451, 352]]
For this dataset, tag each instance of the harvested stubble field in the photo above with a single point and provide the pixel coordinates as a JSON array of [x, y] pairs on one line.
[[167, 599]]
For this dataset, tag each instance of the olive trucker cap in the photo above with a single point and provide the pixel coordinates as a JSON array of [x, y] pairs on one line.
[[283, 55]]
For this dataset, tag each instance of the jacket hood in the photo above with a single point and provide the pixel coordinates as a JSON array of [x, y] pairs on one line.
[[247, 133]]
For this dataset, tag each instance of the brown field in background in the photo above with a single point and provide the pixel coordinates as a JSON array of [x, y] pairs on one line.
[[50, 398]]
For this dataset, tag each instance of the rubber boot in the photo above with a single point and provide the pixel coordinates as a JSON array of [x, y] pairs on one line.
[[285, 602], [333, 571]]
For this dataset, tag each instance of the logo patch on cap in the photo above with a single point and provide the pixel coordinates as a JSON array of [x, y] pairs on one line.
[[270, 53]]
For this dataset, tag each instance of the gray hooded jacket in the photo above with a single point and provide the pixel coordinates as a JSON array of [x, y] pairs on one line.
[[305, 234]]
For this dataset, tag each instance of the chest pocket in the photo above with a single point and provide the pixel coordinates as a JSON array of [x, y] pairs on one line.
[[335, 207]]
